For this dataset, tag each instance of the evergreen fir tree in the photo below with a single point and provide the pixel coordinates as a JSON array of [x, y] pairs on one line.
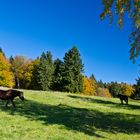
[[93, 78], [11, 59], [35, 75], [136, 94], [1, 51], [100, 84], [72, 74], [45, 71], [57, 76]]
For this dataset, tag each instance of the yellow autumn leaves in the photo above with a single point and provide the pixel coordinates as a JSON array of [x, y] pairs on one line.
[[6, 77], [89, 86]]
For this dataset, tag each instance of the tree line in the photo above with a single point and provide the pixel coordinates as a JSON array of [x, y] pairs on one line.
[[67, 75], [43, 73]]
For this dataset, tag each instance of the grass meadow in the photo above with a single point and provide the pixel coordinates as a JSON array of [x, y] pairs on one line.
[[63, 116]]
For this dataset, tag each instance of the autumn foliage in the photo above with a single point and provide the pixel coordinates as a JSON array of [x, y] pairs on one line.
[[103, 92], [127, 90], [6, 77], [66, 75], [89, 86]]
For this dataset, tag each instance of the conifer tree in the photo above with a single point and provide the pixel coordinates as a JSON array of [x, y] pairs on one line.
[[137, 89], [72, 74], [45, 71], [57, 76], [34, 79], [92, 77], [100, 84], [1, 51]]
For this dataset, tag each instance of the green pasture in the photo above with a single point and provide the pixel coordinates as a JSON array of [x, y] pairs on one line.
[[64, 116]]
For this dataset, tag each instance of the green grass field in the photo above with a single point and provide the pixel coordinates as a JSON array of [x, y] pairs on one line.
[[59, 116]]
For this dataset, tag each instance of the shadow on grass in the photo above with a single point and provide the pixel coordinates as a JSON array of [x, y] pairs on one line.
[[77, 119], [87, 99]]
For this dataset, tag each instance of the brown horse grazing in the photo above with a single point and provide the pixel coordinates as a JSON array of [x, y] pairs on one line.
[[9, 95], [123, 98]]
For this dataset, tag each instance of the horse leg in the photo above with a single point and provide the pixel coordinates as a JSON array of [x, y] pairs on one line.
[[126, 101], [13, 103], [121, 101], [7, 103]]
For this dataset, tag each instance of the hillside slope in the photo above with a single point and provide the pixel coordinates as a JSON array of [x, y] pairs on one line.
[[61, 116]]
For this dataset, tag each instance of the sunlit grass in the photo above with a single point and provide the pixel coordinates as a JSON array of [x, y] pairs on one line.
[[62, 116]]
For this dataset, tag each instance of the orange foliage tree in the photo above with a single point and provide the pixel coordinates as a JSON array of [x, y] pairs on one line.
[[127, 89], [22, 69], [89, 86], [6, 76], [103, 92]]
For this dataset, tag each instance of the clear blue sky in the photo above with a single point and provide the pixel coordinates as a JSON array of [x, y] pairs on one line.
[[29, 27]]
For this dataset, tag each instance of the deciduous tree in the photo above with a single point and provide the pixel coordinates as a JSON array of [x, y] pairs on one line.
[[127, 89], [89, 86], [114, 88], [122, 8], [21, 68], [6, 76]]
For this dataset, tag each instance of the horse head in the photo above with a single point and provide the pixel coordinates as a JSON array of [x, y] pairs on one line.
[[21, 96]]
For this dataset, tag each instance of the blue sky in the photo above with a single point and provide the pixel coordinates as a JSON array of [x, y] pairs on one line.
[[29, 27]]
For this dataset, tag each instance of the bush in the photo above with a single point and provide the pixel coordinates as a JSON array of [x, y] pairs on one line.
[[103, 92]]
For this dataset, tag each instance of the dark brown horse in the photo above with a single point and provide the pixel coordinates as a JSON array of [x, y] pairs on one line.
[[123, 98], [9, 95]]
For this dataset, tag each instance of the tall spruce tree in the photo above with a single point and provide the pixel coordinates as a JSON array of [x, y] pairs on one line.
[[100, 84], [1, 51], [34, 79], [72, 74], [57, 76], [45, 71], [93, 78], [136, 94]]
